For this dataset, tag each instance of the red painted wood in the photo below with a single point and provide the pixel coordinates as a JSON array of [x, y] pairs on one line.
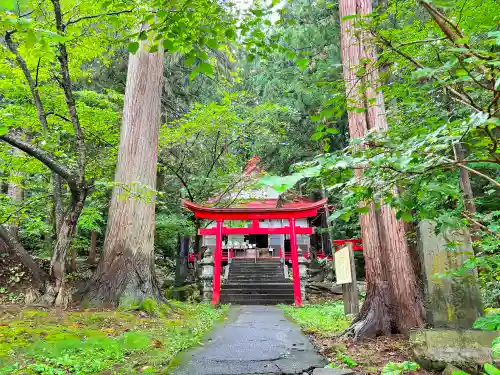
[[252, 230], [217, 263], [295, 265], [357, 244]]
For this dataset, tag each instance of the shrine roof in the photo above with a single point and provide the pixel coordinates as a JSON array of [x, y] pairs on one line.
[[266, 207]]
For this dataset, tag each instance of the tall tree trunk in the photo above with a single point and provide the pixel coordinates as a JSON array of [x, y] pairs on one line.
[[59, 255], [126, 269], [393, 301], [93, 248]]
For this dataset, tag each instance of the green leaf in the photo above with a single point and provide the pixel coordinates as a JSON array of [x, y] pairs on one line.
[[362, 210], [169, 45], [332, 131], [194, 73], [406, 216], [54, 36], [250, 57], [495, 348], [3, 130], [230, 34], [162, 14], [490, 369], [189, 60], [206, 68], [497, 83], [317, 136], [212, 43], [302, 63], [202, 55], [143, 35], [488, 323], [133, 47]]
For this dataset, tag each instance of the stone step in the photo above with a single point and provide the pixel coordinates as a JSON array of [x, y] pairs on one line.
[[243, 300], [258, 286], [254, 266], [247, 296], [257, 279], [253, 293], [247, 273]]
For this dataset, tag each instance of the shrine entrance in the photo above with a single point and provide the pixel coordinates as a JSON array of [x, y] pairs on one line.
[[289, 213]]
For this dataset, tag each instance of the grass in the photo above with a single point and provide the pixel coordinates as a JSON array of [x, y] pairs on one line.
[[322, 320], [100, 342]]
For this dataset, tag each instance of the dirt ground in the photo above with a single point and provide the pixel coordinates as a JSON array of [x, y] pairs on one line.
[[370, 356]]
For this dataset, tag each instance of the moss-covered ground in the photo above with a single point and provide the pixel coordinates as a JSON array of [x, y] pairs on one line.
[[322, 319], [52, 342]]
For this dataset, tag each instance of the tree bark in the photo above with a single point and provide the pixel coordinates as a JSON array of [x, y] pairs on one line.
[[393, 302], [15, 192], [126, 269], [64, 238], [465, 185], [57, 186], [93, 248]]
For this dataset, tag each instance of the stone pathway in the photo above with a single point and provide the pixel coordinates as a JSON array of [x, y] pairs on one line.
[[254, 340]]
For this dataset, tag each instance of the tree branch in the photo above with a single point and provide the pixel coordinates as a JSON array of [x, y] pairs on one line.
[[33, 85], [485, 228], [42, 156], [71, 22], [68, 95], [421, 41]]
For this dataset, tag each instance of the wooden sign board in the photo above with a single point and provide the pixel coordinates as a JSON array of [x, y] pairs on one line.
[[343, 266]]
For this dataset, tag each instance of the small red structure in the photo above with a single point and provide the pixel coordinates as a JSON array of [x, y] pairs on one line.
[[255, 211]]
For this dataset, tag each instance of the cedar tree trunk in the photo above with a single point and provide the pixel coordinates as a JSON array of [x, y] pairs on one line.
[[126, 270], [393, 302]]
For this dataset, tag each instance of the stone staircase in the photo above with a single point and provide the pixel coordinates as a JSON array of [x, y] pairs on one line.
[[260, 282]]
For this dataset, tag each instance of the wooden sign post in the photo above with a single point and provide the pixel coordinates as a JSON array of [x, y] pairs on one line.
[[345, 273]]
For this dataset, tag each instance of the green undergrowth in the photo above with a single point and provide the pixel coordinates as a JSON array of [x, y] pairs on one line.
[[101, 342], [323, 320]]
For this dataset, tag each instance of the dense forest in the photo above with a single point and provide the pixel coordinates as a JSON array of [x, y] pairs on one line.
[[112, 112]]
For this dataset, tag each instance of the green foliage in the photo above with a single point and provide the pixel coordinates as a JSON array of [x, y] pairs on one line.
[[495, 348], [322, 320], [491, 370], [168, 228], [398, 368], [90, 342], [488, 323], [346, 360]]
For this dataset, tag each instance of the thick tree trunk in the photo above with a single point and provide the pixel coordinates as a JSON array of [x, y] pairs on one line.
[[59, 255], [93, 248], [393, 301], [58, 206], [126, 269]]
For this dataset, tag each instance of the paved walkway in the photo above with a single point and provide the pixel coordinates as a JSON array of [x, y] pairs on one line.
[[254, 340]]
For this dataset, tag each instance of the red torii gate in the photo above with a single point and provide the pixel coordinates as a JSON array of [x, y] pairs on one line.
[[290, 211]]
